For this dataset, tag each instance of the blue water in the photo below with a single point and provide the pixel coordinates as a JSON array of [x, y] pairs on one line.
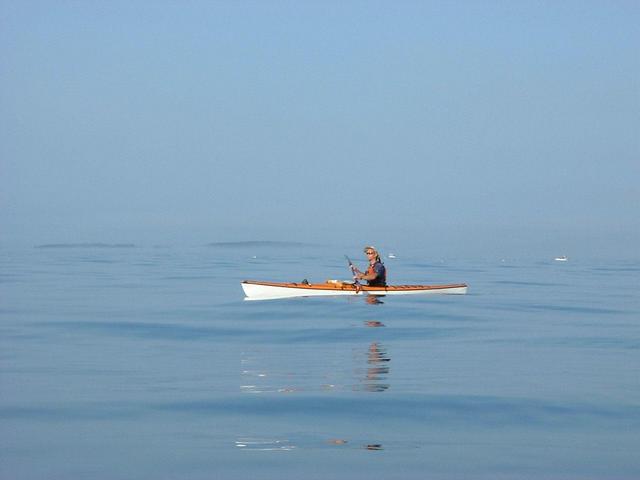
[[146, 363]]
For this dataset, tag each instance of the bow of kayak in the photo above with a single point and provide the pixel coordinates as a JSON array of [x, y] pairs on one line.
[[256, 290]]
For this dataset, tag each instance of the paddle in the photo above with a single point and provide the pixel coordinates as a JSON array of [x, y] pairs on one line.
[[353, 271]]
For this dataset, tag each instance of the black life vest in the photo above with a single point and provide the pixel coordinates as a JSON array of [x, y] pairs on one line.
[[381, 279]]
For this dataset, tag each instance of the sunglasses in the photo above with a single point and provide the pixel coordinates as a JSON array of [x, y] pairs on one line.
[[371, 253]]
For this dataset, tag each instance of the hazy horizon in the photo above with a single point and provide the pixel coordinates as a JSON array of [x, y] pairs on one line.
[[484, 128]]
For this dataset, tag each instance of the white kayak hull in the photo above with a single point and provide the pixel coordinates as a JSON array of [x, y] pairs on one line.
[[273, 290]]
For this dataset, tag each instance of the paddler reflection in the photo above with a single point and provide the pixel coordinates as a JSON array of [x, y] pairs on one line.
[[377, 370], [373, 299]]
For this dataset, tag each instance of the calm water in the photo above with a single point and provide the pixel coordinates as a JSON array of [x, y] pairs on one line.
[[146, 363]]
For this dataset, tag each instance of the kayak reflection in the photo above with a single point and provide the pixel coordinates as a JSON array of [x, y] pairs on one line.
[[298, 442], [271, 369]]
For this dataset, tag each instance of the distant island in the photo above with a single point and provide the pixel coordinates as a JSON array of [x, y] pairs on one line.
[[86, 245], [257, 243]]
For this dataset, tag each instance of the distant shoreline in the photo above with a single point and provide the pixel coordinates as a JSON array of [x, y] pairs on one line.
[[258, 243], [86, 245]]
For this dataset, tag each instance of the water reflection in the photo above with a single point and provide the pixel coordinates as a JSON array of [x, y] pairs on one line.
[[312, 368], [377, 370], [358, 365], [373, 300], [366, 446], [266, 444], [373, 446], [373, 323]]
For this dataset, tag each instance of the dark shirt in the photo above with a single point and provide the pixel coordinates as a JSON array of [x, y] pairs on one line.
[[381, 275]]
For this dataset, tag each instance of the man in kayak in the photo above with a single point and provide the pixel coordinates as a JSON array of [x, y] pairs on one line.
[[376, 274]]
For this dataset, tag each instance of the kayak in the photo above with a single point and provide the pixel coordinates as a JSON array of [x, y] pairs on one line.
[[255, 290]]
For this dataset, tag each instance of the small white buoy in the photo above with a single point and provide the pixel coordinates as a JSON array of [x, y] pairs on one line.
[[392, 255], [561, 259]]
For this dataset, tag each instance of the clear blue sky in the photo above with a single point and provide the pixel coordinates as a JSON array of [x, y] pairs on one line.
[[502, 124]]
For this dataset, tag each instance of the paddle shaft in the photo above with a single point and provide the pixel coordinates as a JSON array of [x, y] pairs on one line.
[[353, 270]]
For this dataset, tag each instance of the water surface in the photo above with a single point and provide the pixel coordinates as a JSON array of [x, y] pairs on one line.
[[137, 362]]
